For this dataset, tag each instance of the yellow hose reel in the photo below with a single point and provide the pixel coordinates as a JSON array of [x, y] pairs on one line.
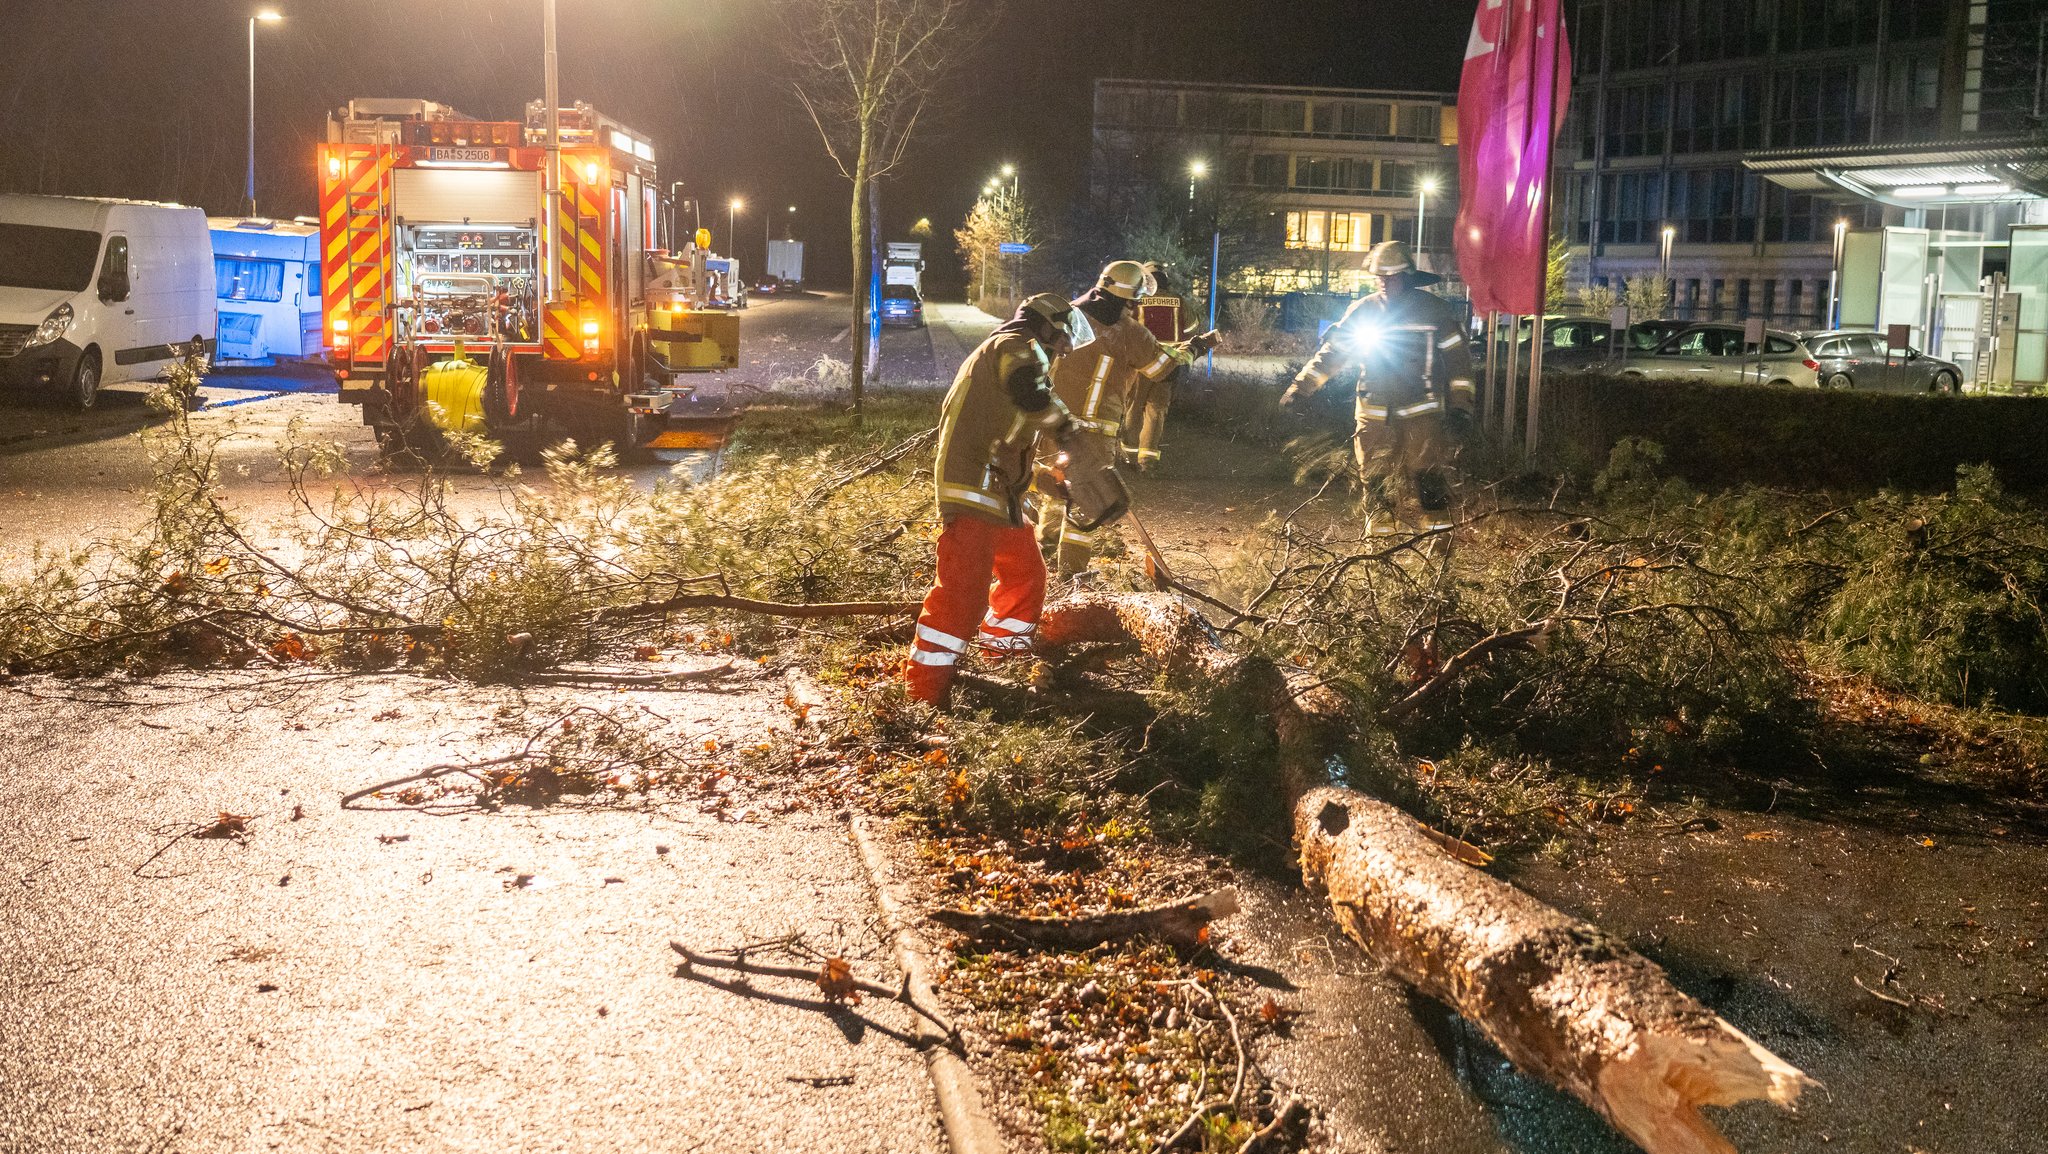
[[454, 393]]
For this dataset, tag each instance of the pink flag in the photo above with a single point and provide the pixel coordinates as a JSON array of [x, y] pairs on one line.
[[1509, 112]]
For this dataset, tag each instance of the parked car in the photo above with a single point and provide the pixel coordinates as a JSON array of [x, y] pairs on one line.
[[99, 292], [1716, 354], [902, 305], [1569, 342], [1859, 359]]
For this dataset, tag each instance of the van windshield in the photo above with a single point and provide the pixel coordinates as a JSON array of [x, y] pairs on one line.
[[34, 256]]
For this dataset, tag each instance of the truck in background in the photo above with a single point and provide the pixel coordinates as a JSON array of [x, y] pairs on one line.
[[903, 263], [462, 296], [786, 264], [266, 276]]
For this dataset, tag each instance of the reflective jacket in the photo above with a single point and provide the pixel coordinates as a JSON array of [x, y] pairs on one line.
[[1098, 380], [1411, 352], [999, 403]]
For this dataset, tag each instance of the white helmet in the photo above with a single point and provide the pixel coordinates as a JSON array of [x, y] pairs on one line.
[[1128, 279]]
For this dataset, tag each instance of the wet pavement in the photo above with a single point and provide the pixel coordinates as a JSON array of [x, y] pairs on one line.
[[383, 979], [1931, 891]]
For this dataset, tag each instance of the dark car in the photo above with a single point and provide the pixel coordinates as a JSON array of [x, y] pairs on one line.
[[902, 305], [1861, 359]]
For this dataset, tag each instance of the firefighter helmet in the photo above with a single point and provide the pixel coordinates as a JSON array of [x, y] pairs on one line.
[[1391, 258], [1051, 307], [1128, 279]]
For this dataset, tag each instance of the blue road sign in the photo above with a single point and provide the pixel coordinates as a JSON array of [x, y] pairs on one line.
[[1013, 248]]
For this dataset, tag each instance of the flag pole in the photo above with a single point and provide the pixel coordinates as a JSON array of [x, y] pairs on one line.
[[1489, 407], [1545, 123]]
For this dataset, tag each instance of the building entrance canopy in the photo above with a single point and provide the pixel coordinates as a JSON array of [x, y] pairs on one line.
[[1975, 170]]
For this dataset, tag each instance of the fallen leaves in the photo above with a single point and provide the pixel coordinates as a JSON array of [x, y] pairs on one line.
[[293, 648], [836, 979], [230, 826]]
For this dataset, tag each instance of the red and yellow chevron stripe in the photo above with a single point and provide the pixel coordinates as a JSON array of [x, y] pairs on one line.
[[580, 229], [355, 246]]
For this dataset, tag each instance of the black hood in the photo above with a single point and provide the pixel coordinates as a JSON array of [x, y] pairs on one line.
[[1102, 306]]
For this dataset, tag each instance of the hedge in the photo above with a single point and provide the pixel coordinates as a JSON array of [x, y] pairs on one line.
[[1798, 438]]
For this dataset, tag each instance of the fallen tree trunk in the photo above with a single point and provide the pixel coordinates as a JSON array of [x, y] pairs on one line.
[[1309, 717], [1560, 998], [1184, 923]]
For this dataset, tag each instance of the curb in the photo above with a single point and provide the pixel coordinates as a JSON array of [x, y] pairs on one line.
[[962, 1114]]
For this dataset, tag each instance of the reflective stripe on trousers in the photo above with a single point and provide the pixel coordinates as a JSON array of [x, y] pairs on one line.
[[971, 551]]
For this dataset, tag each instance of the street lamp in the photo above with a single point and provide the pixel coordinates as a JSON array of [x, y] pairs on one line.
[[1664, 269], [1423, 188], [1198, 169], [765, 219], [266, 16], [732, 217], [1835, 275]]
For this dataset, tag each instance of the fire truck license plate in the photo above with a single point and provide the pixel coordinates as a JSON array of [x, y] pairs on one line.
[[466, 155]]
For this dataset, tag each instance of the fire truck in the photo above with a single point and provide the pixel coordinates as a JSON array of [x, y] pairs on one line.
[[459, 295]]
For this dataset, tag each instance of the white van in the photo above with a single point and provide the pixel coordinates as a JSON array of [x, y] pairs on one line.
[[99, 292], [266, 277]]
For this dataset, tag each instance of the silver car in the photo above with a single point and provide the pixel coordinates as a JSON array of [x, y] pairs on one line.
[[1716, 354], [1859, 359]]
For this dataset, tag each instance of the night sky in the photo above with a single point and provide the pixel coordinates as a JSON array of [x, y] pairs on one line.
[[147, 98]]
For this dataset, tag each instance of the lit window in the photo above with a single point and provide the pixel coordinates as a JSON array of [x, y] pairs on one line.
[[1306, 229]]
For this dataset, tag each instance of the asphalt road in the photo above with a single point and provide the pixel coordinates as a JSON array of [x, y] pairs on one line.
[[67, 477], [382, 979]]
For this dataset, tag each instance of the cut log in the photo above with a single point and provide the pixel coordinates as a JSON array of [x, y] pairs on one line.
[[1183, 923], [1561, 999], [1309, 717]]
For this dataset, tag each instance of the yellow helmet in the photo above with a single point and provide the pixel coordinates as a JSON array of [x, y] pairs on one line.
[[1127, 279]]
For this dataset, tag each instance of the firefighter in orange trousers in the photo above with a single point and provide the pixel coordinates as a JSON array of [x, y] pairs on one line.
[[1415, 377], [1000, 403], [1099, 382]]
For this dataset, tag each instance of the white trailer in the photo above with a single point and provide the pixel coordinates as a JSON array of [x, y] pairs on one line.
[[266, 274], [786, 261], [903, 263]]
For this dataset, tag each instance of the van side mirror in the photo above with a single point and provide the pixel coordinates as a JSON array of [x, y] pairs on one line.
[[114, 273]]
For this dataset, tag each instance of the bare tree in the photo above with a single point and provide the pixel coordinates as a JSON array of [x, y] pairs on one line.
[[865, 70]]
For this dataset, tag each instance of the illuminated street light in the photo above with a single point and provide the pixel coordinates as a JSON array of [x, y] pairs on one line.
[[732, 217], [1423, 188], [1197, 169], [265, 16]]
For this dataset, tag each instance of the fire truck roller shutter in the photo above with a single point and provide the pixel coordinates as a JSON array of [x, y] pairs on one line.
[[454, 195]]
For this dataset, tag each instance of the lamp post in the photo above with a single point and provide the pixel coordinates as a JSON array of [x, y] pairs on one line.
[[732, 220], [551, 171], [1423, 188], [1664, 266], [1834, 319], [1016, 182], [266, 16], [1196, 170]]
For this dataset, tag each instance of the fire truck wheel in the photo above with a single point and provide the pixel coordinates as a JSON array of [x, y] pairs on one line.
[[408, 444], [501, 390]]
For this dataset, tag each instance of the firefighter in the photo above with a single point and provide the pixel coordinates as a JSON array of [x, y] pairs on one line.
[[1415, 372], [1099, 382], [1000, 403]]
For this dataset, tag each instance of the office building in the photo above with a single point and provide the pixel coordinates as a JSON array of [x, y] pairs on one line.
[[1313, 177], [1877, 160]]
